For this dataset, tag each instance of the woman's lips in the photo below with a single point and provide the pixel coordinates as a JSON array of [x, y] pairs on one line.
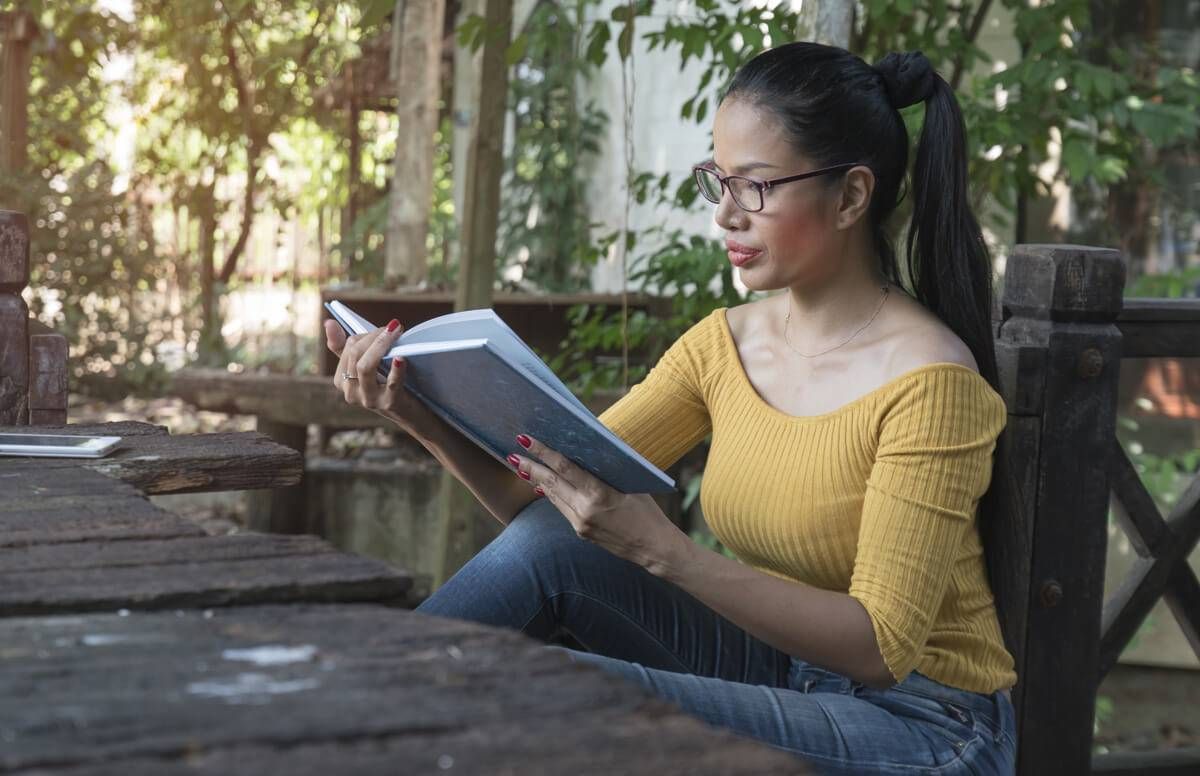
[[739, 254]]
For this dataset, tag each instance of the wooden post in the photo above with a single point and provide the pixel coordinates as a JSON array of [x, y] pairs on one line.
[[47, 376], [279, 510], [14, 319], [418, 34], [17, 31], [1059, 356], [477, 265]]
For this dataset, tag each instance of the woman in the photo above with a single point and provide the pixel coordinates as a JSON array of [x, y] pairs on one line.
[[853, 428]]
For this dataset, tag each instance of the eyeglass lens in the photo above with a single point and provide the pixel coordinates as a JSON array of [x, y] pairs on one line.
[[745, 193]]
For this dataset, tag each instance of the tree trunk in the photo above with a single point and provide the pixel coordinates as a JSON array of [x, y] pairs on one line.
[[211, 347], [17, 31], [418, 36], [477, 267]]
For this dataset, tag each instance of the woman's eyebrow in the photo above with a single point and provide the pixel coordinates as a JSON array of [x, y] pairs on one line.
[[745, 168]]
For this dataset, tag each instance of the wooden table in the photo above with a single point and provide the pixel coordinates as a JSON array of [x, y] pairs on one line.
[[133, 643]]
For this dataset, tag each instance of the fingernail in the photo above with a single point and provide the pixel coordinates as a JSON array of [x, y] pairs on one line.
[[524, 441], [514, 460], [396, 362], [393, 325], [538, 490], [522, 475]]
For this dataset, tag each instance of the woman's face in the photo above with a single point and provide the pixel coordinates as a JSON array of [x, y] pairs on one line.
[[794, 239]]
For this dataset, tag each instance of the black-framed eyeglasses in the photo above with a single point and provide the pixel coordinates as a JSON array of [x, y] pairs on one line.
[[748, 192]]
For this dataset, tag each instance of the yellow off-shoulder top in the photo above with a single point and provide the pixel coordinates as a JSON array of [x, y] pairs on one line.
[[876, 499]]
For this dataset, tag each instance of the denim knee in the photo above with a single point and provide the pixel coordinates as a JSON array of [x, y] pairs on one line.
[[538, 538]]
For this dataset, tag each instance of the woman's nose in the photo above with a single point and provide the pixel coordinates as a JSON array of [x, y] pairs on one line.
[[728, 215]]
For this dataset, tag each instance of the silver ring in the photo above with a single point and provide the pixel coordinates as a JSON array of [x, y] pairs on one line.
[[348, 376]]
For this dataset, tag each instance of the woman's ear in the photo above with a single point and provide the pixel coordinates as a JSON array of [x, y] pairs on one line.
[[857, 187]]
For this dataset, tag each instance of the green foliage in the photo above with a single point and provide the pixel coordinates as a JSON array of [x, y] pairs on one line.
[[92, 254], [544, 222], [693, 272], [361, 246]]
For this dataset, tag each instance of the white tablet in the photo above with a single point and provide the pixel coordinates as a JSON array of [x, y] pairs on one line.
[[57, 445]]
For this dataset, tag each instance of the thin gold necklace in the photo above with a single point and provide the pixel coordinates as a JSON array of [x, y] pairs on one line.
[[788, 319]]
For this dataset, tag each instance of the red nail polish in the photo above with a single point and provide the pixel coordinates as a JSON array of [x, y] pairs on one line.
[[524, 441], [393, 325], [522, 475], [514, 460], [538, 490]]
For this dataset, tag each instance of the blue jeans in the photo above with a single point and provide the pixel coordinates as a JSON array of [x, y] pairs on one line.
[[540, 578]]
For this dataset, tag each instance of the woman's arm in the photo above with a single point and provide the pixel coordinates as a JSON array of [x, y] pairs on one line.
[[492, 483], [829, 629]]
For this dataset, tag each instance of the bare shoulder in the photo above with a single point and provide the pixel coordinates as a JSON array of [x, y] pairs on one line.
[[918, 338], [746, 320]]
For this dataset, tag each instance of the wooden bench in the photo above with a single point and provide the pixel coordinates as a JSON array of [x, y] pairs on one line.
[[135, 644], [33, 358]]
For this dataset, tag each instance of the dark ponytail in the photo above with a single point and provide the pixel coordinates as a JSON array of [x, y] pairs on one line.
[[838, 109]]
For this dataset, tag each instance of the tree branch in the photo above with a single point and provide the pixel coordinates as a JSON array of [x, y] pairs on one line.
[[245, 94], [972, 33]]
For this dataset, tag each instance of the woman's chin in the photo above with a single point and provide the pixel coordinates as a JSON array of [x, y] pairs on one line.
[[755, 279]]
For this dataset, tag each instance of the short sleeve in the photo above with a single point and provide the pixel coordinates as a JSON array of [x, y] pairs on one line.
[[665, 415], [933, 463]]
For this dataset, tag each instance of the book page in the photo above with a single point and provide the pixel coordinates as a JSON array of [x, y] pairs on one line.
[[485, 324]]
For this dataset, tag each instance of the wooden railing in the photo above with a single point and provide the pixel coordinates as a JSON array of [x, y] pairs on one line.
[[1063, 331], [33, 359]]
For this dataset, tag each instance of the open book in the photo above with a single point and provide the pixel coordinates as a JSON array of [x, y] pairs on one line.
[[475, 373]]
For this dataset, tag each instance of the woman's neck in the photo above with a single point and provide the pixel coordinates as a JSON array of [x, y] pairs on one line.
[[822, 313]]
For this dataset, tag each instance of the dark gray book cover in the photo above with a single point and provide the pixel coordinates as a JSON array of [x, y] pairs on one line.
[[475, 373]]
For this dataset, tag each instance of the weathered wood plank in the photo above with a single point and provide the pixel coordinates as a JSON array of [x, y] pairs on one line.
[[159, 463], [14, 251], [203, 549], [287, 399], [1134, 507], [231, 570], [363, 689], [41, 506], [280, 510], [1145, 583], [652, 740], [1160, 327], [47, 375], [1059, 352], [1183, 598], [14, 360], [1171, 762]]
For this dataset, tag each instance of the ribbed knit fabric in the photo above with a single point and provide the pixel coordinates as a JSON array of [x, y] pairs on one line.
[[876, 498]]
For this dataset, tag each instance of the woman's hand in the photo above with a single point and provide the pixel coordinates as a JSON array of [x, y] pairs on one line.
[[631, 526], [359, 381]]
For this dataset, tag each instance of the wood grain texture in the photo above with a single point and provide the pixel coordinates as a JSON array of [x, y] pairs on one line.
[[14, 251], [366, 690], [207, 571], [47, 374], [41, 506], [14, 360], [1160, 327], [157, 463], [1059, 354], [291, 399]]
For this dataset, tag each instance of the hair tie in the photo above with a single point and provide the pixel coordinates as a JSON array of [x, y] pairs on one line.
[[907, 78]]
